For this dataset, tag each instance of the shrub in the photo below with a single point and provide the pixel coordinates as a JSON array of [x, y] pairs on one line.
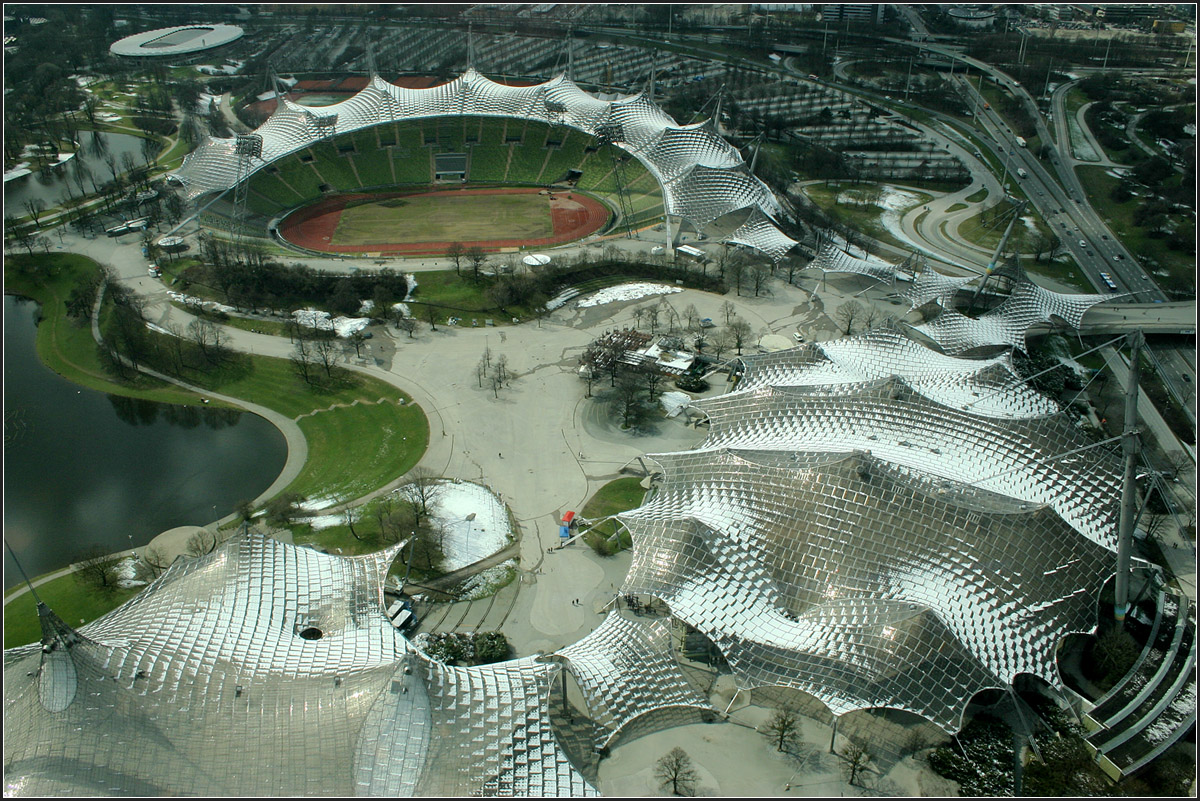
[[490, 646], [692, 383]]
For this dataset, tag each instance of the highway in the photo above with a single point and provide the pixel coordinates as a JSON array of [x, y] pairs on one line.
[[1065, 206]]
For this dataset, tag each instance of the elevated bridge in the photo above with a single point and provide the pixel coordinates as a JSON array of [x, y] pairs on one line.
[[1178, 317]]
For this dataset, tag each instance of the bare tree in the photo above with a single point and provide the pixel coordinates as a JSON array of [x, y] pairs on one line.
[[501, 371], [209, 338], [325, 348], [407, 324], [627, 401], [721, 343], [34, 206], [201, 543], [152, 564], [422, 489], [675, 770], [654, 380], [692, 316], [351, 515], [728, 311], [738, 331], [849, 315], [1175, 462], [783, 728], [98, 569], [282, 509], [303, 358], [855, 761], [760, 273], [455, 253], [478, 258]]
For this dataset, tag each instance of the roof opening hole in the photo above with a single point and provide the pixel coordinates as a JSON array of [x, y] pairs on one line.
[[311, 633]]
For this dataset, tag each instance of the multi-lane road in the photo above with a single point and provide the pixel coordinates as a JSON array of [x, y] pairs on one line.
[[1065, 207]]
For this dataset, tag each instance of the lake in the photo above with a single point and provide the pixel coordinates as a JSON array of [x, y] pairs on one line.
[[84, 468], [94, 148]]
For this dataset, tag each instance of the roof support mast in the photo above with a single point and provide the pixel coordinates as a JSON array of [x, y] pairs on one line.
[[1131, 447], [996, 255]]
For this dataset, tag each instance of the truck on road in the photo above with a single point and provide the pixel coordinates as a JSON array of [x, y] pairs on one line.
[[1021, 173], [1021, 141]]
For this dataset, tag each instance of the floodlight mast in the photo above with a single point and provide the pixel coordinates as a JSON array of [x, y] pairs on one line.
[[246, 146], [1131, 447]]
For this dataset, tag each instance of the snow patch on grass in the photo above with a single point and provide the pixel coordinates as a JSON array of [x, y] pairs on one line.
[[620, 292]]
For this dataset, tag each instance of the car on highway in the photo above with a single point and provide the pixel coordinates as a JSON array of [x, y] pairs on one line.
[[1119, 257], [1082, 243]]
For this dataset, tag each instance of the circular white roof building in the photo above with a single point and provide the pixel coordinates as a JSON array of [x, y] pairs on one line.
[[180, 40]]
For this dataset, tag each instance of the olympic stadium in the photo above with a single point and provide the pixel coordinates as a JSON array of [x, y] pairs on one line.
[[880, 528], [473, 131]]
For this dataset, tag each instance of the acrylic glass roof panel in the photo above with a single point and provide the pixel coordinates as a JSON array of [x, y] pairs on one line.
[[984, 386], [958, 333], [1029, 304], [1021, 459], [859, 582], [702, 194], [930, 285], [675, 150], [217, 732], [625, 669], [833, 259], [394, 746], [759, 232], [246, 604], [508, 750]]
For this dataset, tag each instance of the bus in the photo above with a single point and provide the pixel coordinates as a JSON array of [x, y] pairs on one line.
[[1108, 282]]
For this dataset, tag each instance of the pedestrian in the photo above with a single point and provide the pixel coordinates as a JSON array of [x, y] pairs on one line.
[[501, 455]]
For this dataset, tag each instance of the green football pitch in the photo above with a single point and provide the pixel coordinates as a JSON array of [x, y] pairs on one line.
[[444, 217]]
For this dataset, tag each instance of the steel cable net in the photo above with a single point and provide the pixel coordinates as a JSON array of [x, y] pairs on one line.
[[987, 387], [932, 286], [832, 258], [1020, 459], [863, 583], [625, 669], [1027, 305], [490, 732], [703, 177], [265, 669]]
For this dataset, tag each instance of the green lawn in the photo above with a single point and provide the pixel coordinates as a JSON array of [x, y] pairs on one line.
[[615, 496], [865, 218], [361, 448], [1152, 252], [69, 599], [65, 345], [975, 231], [450, 217], [978, 196]]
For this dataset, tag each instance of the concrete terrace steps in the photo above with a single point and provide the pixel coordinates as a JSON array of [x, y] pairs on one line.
[[1141, 681], [1156, 706]]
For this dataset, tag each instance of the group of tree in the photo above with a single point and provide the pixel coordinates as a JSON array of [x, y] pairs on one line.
[[461, 648], [493, 370], [854, 317], [248, 280], [315, 354]]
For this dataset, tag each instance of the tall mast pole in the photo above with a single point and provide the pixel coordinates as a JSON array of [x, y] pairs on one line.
[[1131, 447]]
